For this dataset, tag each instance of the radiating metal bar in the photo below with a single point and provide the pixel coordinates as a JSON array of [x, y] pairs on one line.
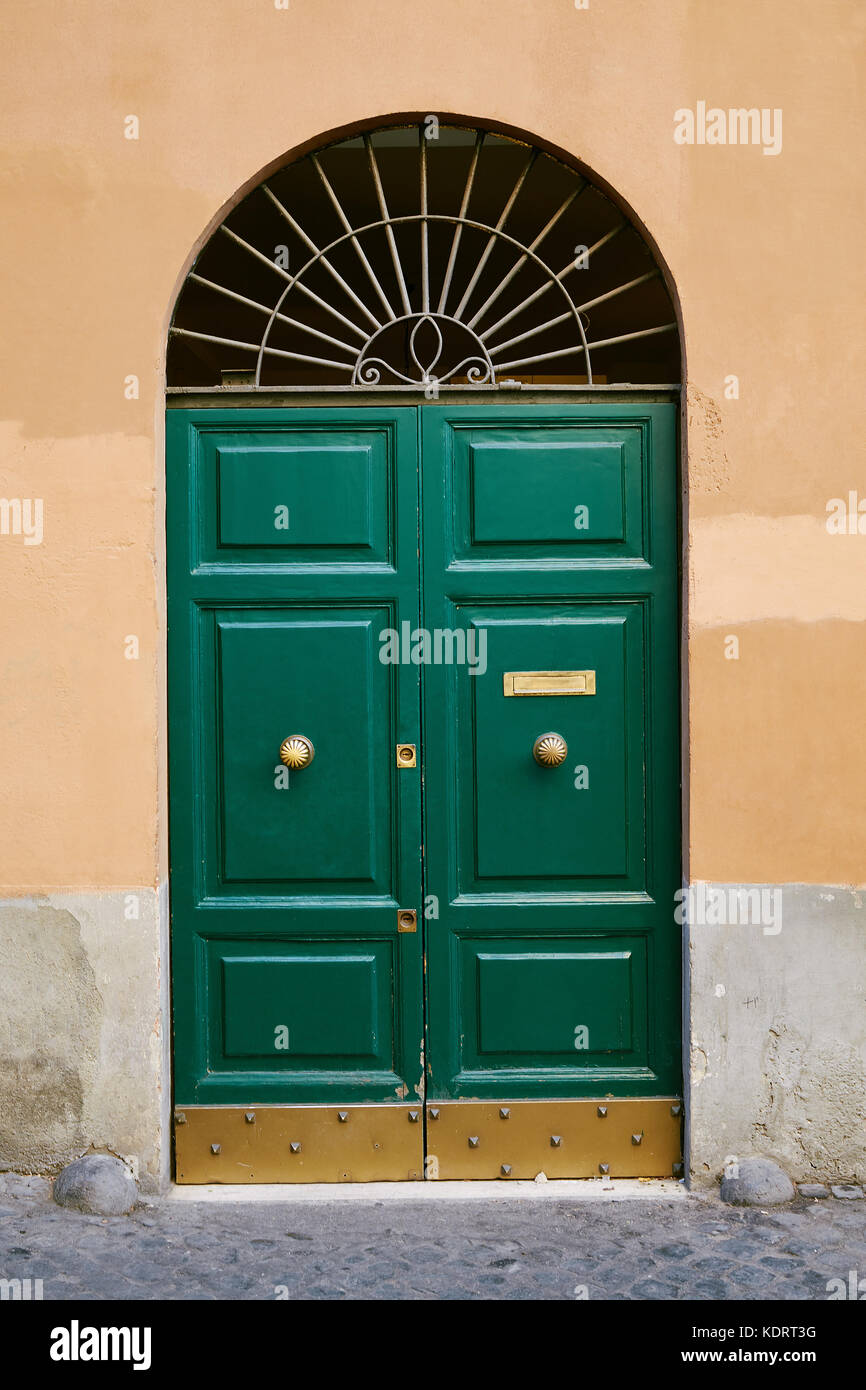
[[628, 337], [542, 357], [210, 338], [338, 208], [323, 303], [603, 342], [596, 245], [389, 231], [267, 309], [530, 333], [425, 247], [293, 282], [523, 259], [230, 294], [317, 333], [620, 289], [492, 238], [524, 304], [304, 357], [458, 231], [590, 303], [332, 271], [259, 255]]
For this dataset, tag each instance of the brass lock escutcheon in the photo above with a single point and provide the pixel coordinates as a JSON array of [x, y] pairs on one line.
[[297, 752], [549, 750]]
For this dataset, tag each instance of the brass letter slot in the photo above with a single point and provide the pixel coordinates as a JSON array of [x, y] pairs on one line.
[[548, 683]]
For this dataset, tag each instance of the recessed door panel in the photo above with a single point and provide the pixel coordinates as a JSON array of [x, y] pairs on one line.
[[291, 1004], [298, 1014], [553, 827], [569, 490], [302, 496], [594, 1001], [316, 673], [547, 492], [291, 492]]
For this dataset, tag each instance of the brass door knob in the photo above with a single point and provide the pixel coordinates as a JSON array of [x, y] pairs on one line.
[[297, 752], [549, 750]]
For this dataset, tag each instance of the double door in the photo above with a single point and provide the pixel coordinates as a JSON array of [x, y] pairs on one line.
[[424, 781]]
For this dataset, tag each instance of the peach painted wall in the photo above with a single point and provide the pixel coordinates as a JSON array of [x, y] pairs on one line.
[[766, 254]]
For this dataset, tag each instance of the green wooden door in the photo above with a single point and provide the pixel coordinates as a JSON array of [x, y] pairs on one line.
[[367, 578], [292, 543], [550, 536]]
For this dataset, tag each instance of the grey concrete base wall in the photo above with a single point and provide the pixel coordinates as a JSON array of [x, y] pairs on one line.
[[775, 1023], [83, 1031], [777, 1034]]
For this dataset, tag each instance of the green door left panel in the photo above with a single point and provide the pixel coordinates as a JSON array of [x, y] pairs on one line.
[[292, 544]]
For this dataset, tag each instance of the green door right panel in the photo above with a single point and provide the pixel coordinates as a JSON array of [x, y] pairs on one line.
[[553, 958]]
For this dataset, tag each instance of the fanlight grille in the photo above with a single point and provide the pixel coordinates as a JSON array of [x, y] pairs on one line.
[[423, 256]]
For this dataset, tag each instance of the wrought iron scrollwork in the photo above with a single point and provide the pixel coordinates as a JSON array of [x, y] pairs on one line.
[[418, 368]]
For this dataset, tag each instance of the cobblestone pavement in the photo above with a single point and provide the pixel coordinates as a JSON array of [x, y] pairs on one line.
[[551, 1249]]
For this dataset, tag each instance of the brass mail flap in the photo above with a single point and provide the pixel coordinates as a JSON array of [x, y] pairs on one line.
[[548, 683]]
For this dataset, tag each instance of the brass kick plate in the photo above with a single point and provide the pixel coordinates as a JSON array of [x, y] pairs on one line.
[[465, 1139], [298, 1143], [548, 683], [560, 1138]]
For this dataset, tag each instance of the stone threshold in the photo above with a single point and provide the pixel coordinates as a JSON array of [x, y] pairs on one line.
[[580, 1190]]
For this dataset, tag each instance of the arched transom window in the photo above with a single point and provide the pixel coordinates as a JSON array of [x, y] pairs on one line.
[[424, 256]]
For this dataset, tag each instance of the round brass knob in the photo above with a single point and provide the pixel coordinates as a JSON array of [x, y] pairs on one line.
[[297, 752], [549, 750]]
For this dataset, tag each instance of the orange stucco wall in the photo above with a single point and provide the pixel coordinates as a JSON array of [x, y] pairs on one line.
[[766, 256]]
